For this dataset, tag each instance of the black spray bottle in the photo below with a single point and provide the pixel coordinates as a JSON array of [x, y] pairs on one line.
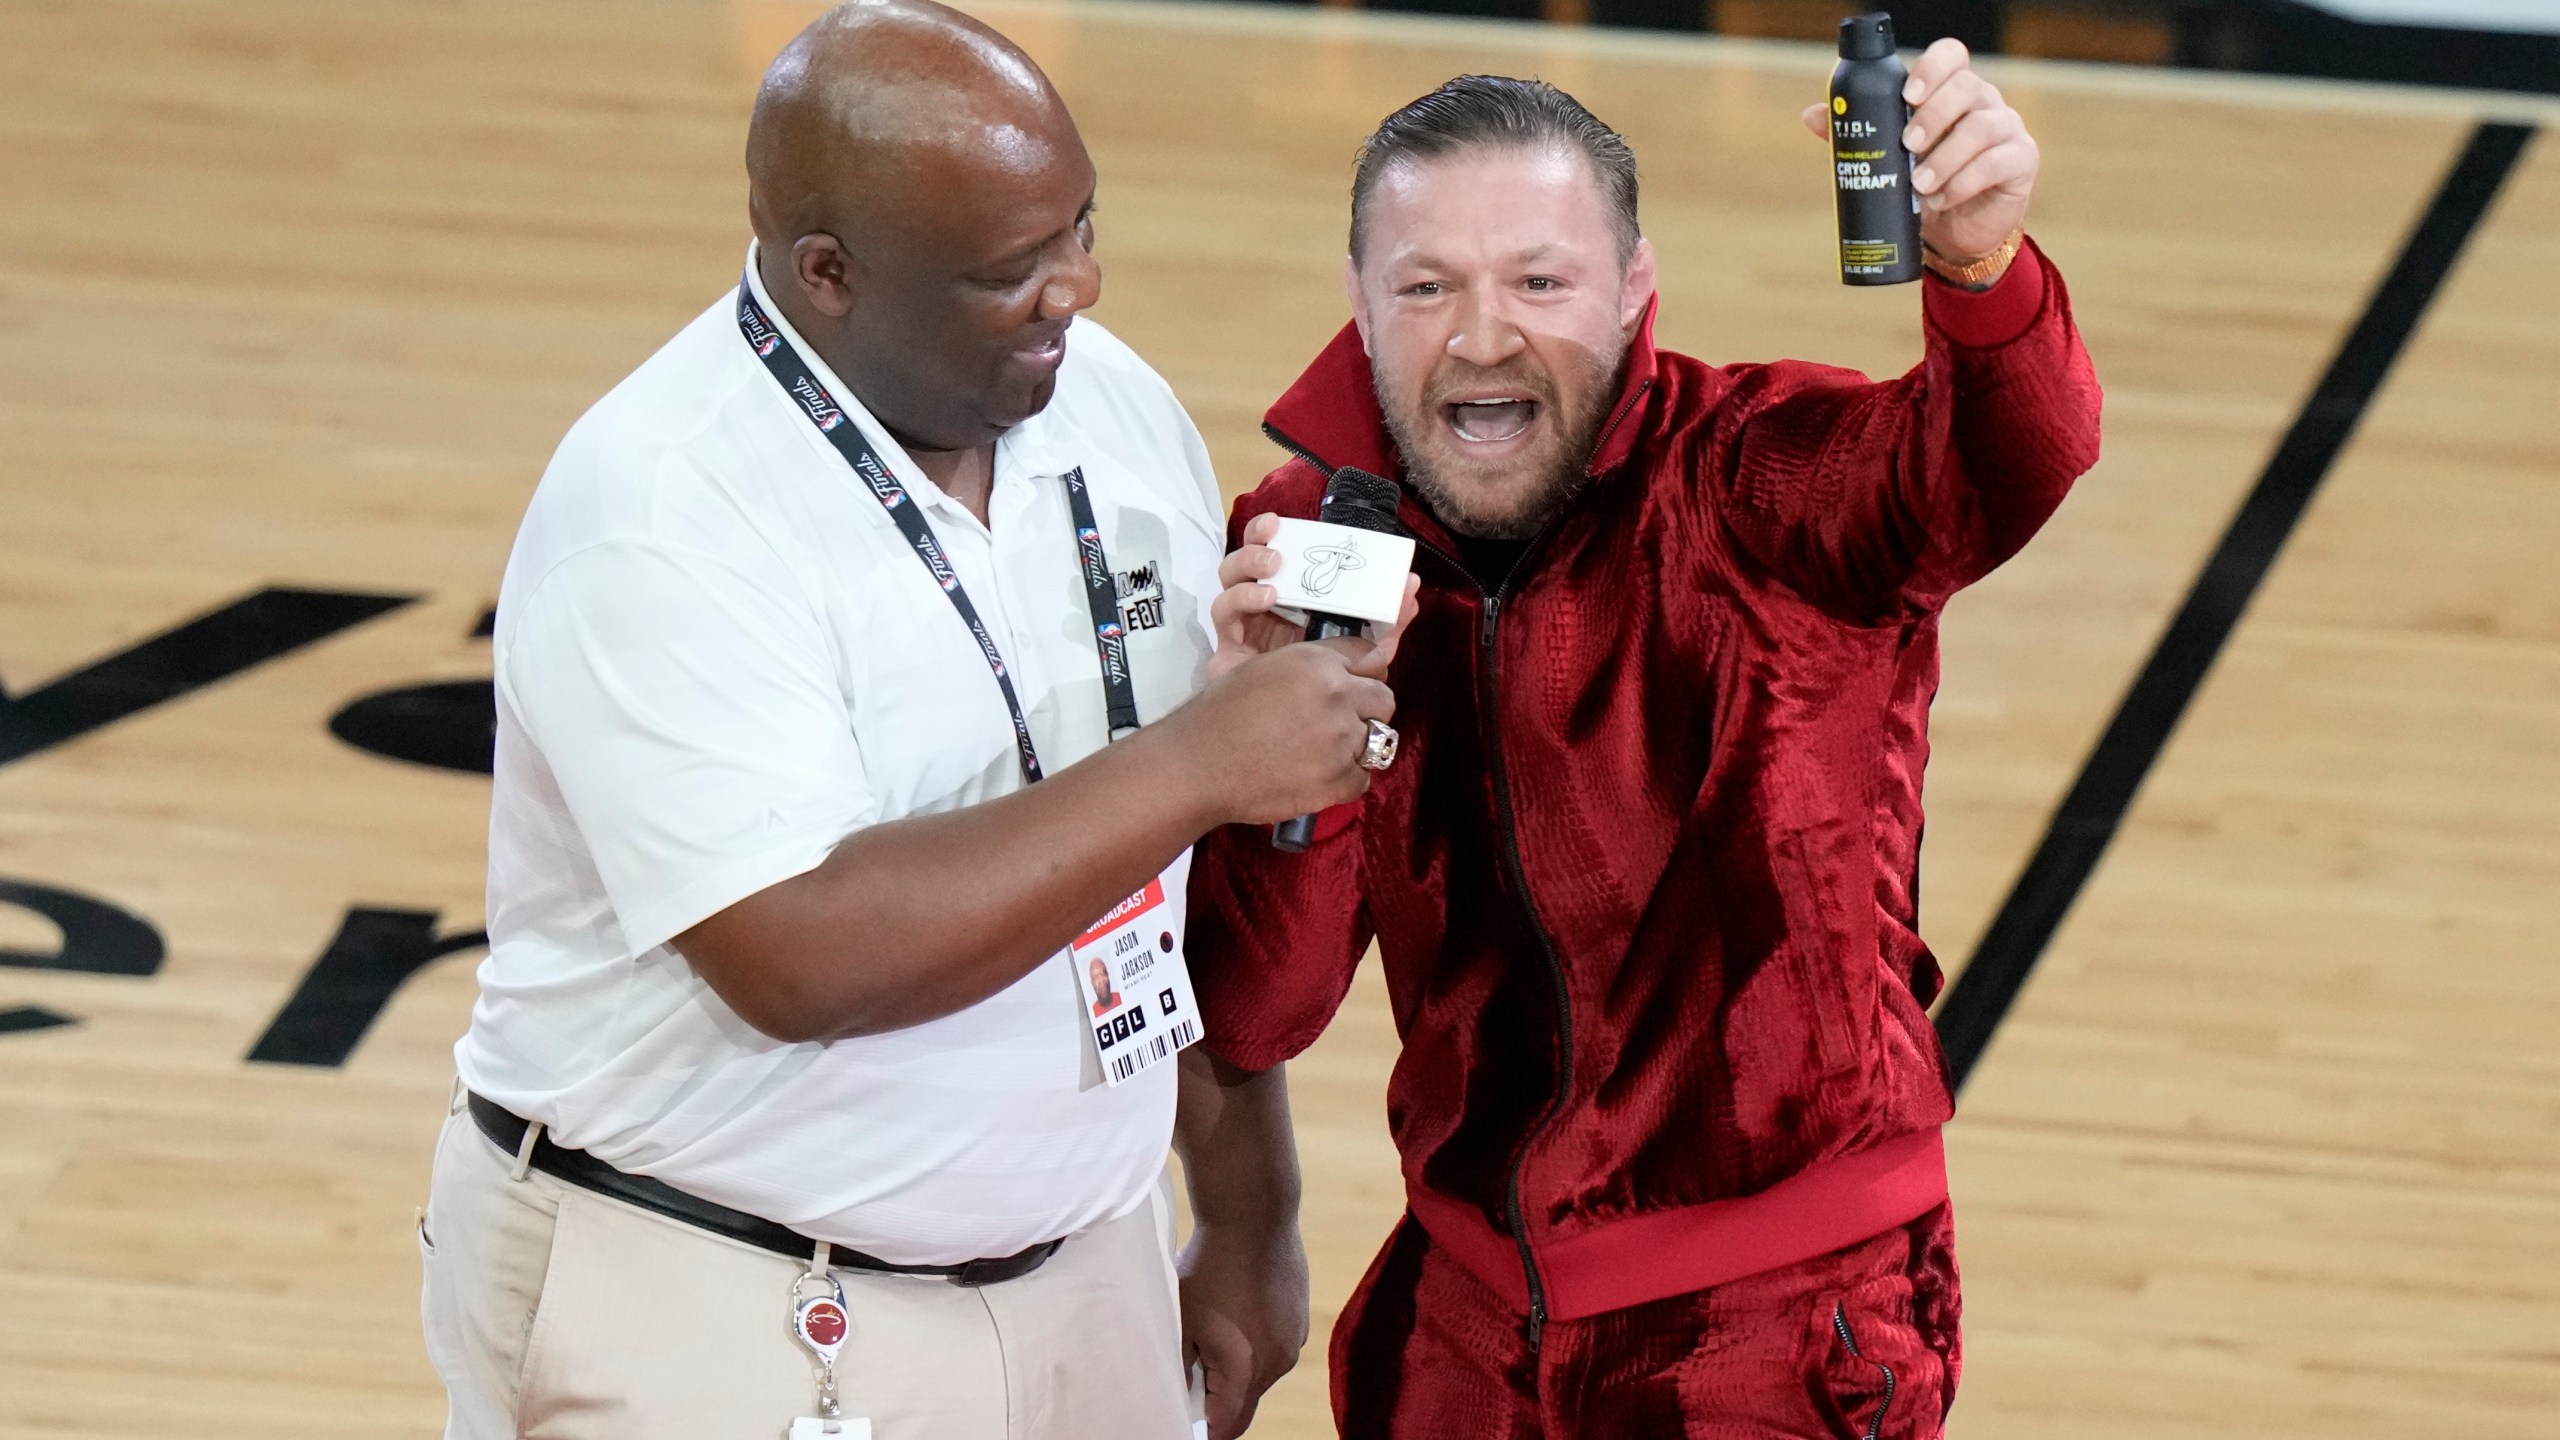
[[1879, 213]]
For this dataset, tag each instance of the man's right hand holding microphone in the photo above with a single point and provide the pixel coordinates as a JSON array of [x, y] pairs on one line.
[[1290, 717]]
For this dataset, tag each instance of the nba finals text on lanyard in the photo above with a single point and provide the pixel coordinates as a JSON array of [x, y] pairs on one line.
[[783, 359]]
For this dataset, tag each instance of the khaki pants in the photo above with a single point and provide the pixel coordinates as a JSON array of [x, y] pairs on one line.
[[557, 1314]]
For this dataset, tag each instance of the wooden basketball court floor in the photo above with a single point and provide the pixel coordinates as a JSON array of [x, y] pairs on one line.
[[299, 293]]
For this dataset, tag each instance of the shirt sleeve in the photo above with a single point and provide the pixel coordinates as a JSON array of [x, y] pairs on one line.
[[1195, 458], [1877, 499], [689, 712], [1274, 939]]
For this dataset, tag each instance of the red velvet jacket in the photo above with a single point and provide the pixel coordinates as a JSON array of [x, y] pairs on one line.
[[1645, 874]]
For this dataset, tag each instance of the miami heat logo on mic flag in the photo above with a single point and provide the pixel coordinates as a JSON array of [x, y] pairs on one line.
[[1325, 564], [1340, 571]]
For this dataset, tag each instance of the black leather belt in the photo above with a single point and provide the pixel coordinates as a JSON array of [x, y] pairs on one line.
[[585, 1171]]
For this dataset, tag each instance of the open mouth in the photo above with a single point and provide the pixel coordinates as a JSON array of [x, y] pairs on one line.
[[1045, 349], [1490, 421]]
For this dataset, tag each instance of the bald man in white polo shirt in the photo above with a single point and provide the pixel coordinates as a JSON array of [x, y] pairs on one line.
[[789, 1106]]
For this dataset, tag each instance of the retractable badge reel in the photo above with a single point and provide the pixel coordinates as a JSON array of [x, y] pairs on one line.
[[820, 1322]]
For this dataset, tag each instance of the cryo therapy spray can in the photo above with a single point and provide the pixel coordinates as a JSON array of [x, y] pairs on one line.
[[1879, 212]]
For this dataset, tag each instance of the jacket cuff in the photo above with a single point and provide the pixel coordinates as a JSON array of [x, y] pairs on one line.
[[1984, 318], [1332, 820]]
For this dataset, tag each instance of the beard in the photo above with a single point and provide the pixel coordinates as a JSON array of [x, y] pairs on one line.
[[1512, 498]]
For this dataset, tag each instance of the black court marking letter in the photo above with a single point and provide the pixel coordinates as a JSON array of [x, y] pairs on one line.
[[215, 646], [373, 954], [97, 939], [2078, 835], [447, 724]]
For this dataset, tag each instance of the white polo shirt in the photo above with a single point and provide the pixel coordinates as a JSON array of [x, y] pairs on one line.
[[717, 657]]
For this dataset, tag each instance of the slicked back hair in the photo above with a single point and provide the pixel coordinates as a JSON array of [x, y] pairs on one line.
[[1500, 112]]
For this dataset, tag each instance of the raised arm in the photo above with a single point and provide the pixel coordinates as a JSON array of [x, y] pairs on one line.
[[1869, 499]]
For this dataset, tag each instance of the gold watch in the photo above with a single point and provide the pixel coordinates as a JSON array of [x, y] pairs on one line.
[[1979, 274]]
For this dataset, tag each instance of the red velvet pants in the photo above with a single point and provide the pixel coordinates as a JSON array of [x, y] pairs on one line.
[[1859, 1344]]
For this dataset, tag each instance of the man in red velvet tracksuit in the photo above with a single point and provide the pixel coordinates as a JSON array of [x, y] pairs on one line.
[[1644, 877]]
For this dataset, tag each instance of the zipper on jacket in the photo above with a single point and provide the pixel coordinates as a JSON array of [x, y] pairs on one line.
[[1276, 436], [1515, 1210], [1508, 823], [1849, 1342]]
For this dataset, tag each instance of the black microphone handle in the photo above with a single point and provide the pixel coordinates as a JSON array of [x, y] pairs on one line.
[[1294, 836]]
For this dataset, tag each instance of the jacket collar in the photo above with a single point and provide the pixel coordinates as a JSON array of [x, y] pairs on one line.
[[1330, 417]]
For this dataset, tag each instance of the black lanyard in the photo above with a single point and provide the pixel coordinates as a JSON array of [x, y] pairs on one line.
[[1101, 595]]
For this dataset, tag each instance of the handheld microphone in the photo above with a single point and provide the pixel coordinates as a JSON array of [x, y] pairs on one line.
[[1360, 501]]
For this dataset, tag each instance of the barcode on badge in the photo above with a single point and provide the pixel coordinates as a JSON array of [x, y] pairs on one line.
[[1147, 1052]]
